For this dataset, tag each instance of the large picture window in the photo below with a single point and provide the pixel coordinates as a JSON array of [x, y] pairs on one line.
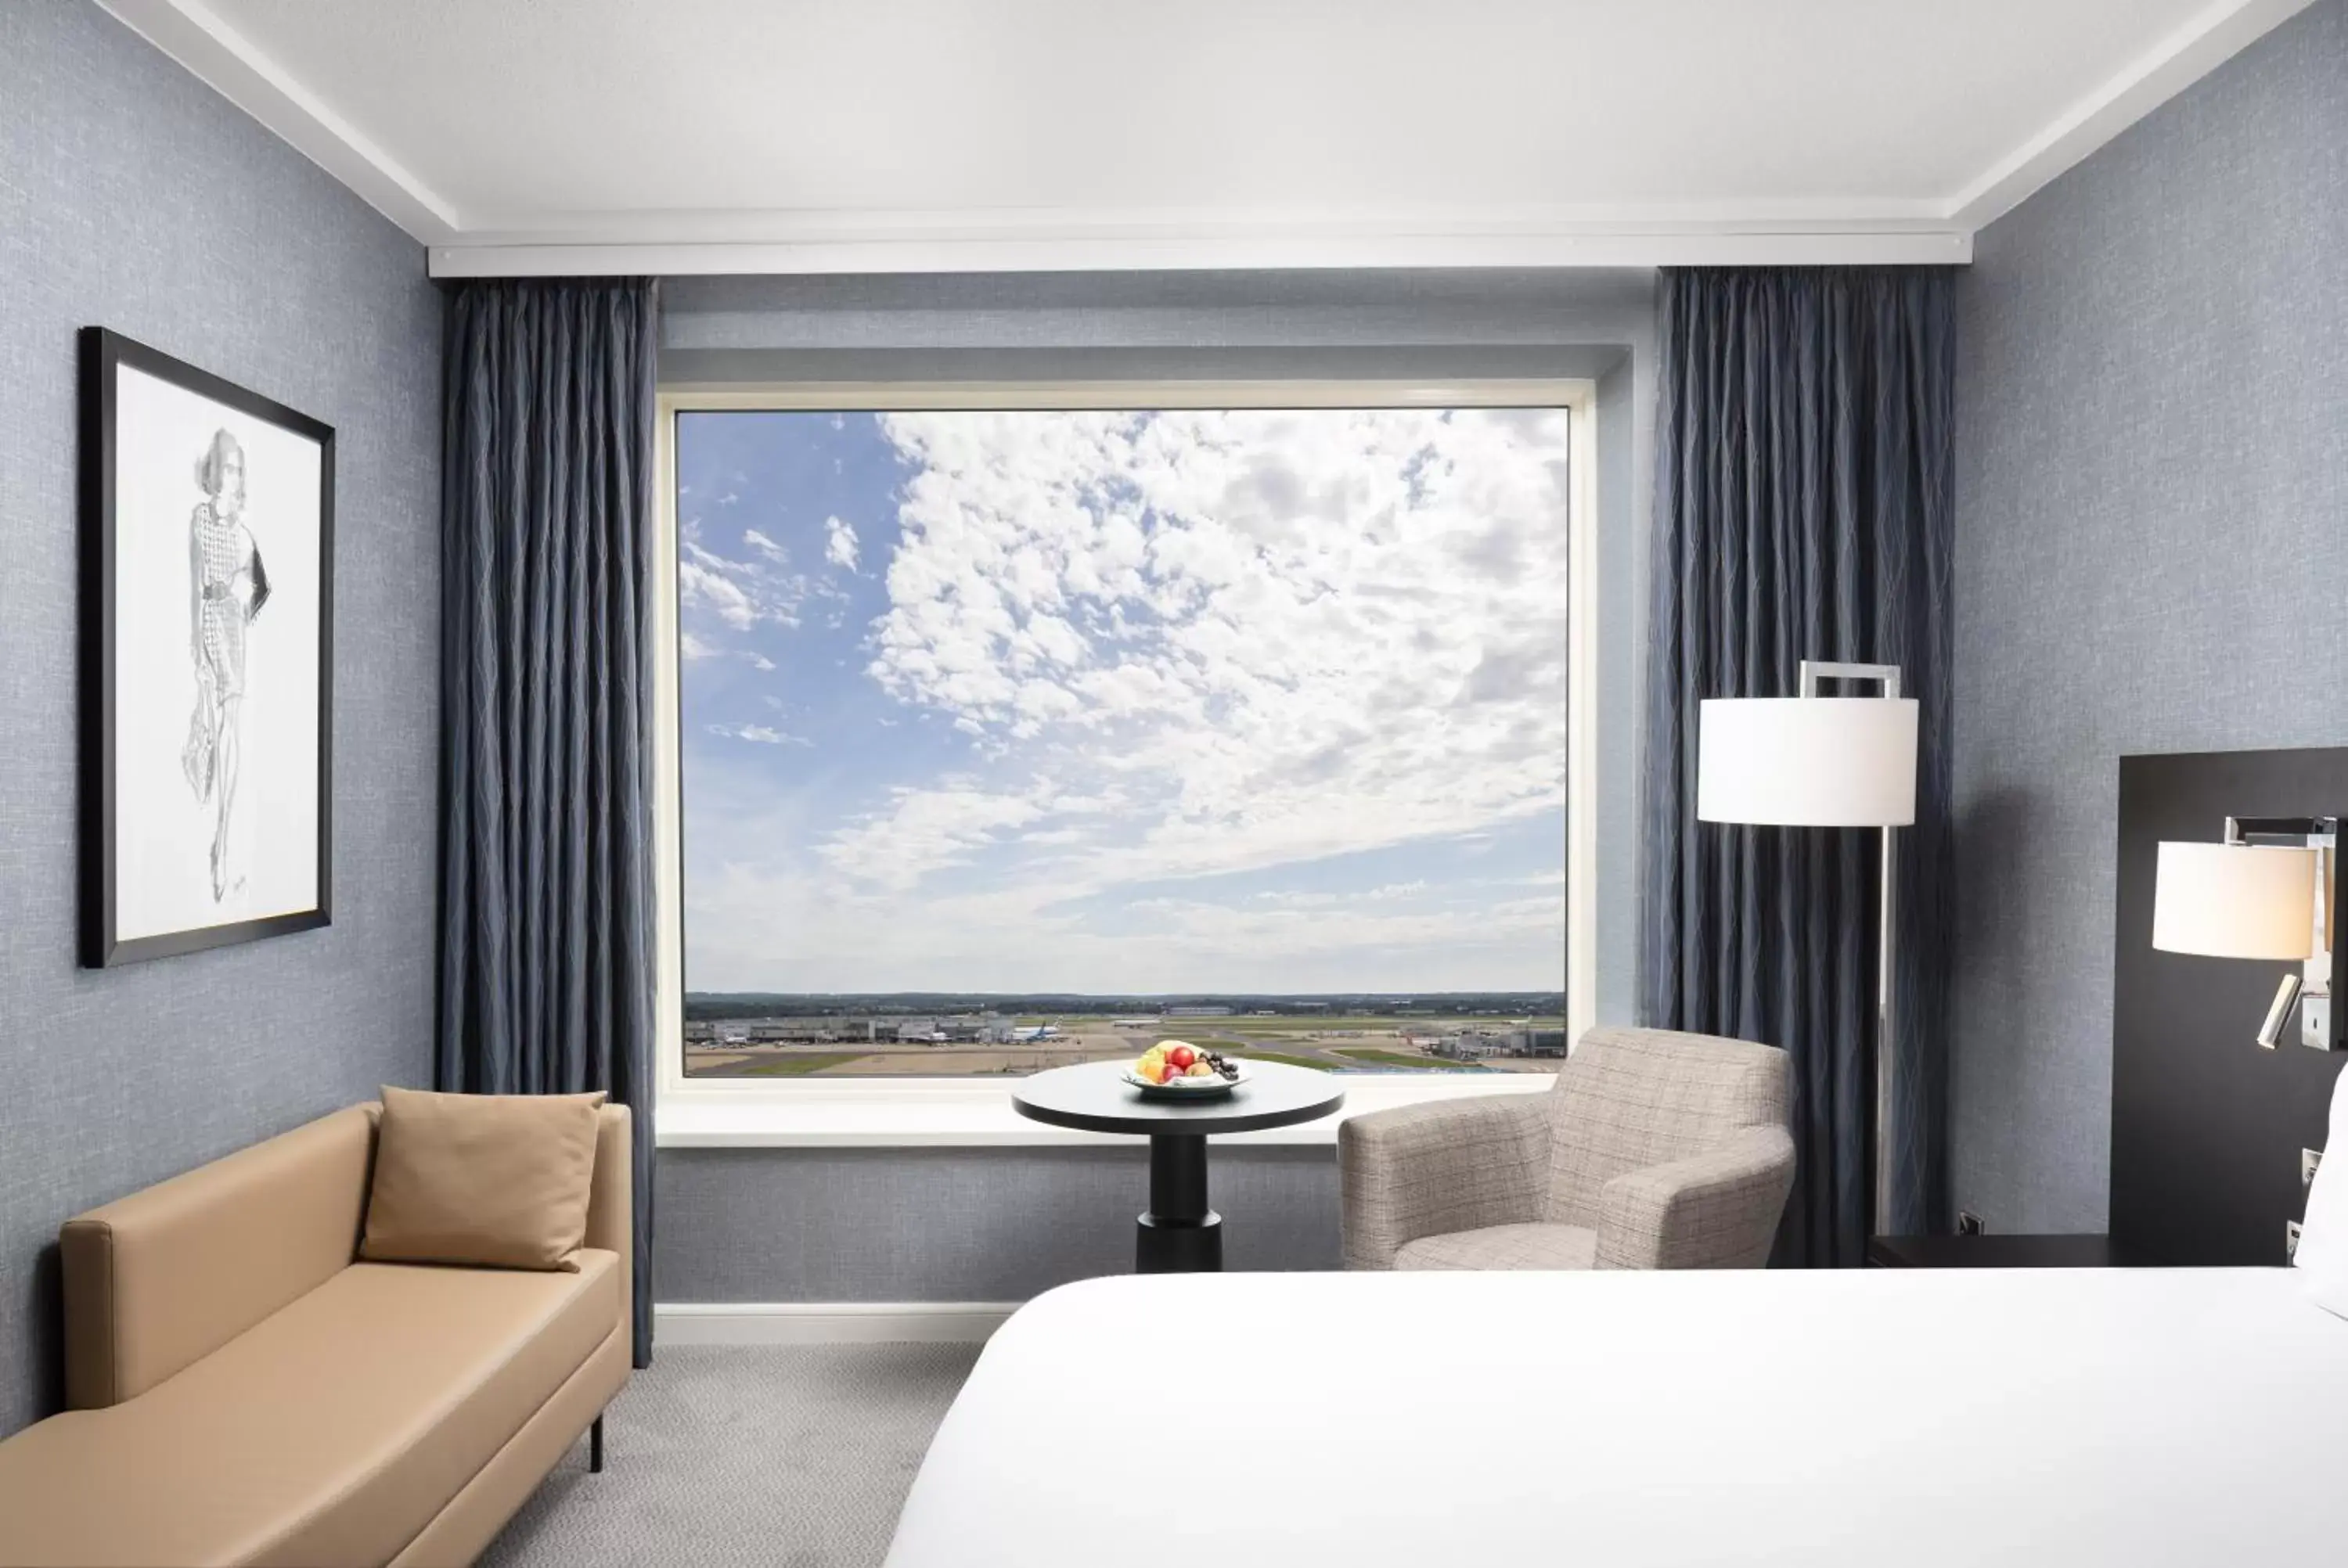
[[1009, 738]]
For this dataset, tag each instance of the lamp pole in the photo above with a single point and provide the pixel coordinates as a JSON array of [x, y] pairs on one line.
[[1887, 984]]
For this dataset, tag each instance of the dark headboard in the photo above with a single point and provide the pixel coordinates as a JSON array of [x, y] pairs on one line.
[[2207, 1126]]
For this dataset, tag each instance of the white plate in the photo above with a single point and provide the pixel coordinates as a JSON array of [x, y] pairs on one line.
[[1189, 1088]]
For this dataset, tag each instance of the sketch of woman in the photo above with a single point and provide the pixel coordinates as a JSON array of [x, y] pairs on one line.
[[227, 586]]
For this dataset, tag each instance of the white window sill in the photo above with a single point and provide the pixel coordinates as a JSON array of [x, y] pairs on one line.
[[945, 1115]]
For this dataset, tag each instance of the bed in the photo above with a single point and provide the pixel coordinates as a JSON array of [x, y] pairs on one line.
[[1475, 1421]]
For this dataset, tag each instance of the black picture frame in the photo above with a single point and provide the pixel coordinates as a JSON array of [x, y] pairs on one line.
[[103, 355]]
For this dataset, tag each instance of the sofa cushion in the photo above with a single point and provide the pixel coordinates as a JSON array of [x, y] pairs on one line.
[[499, 1180], [1503, 1246], [332, 1432]]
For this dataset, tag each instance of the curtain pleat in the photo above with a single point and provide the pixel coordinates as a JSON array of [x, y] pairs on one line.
[[546, 962], [1803, 505]]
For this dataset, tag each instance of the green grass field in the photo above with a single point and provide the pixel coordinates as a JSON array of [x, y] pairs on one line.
[[1274, 1027], [1397, 1058], [799, 1066], [1244, 1054]]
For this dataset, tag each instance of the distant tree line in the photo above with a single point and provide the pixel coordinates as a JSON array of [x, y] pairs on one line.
[[811, 1004]]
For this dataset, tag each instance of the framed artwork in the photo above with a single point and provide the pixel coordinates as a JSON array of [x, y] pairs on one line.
[[207, 621]]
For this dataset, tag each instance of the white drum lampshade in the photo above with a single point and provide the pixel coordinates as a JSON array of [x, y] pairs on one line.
[[2235, 900], [1806, 761]]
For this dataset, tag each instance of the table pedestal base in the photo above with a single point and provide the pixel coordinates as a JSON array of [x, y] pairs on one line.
[[1180, 1234]]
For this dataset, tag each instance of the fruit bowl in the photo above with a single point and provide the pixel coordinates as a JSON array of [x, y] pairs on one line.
[[1177, 1069], [1185, 1087]]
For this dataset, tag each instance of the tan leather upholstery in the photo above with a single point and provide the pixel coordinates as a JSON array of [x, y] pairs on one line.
[[473, 1519], [497, 1180], [612, 1207], [330, 1433], [159, 1278], [392, 1412]]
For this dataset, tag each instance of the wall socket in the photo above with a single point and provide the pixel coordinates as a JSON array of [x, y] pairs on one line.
[[1969, 1224], [2290, 1238], [2308, 1160]]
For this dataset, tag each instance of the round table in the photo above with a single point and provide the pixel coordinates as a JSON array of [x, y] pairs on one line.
[[1179, 1234]]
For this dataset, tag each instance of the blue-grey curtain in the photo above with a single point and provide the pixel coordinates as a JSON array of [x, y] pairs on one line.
[[546, 959], [1803, 495]]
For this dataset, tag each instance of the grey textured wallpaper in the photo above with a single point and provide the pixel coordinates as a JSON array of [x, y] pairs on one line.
[[990, 1224], [958, 1224], [2152, 556], [132, 196], [1123, 312]]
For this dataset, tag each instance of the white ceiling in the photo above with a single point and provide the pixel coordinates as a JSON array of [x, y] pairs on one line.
[[914, 134]]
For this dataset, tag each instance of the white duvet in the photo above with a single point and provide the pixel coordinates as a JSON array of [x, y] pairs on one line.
[[1820, 1418]]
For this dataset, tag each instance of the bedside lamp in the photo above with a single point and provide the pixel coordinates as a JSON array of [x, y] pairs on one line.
[[1822, 761], [2267, 902]]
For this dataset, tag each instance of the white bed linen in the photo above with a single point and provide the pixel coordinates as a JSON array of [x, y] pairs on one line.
[[1817, 1418], [2322, 1255]]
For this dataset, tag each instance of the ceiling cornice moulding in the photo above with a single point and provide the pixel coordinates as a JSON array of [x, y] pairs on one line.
[[1078, 250], [2211, 39], [1924, 230], [225, 60]]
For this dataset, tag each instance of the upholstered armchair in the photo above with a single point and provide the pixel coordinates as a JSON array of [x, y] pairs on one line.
[[1655, 1150]]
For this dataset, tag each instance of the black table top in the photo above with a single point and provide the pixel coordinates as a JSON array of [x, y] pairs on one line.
[[1093, 1097]]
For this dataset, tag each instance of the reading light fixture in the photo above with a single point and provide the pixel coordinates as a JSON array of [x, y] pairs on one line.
[[2267, 892]]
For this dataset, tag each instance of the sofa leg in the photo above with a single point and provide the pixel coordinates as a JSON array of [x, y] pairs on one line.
[[595, 1446]]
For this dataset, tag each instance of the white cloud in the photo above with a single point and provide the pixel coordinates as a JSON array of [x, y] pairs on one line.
[[740, 593], [922, 831], [688, 646], [805, 928], [765, 545], [1286, 636], [1343, 926], [839, 543], [764, 734], [1182, 646]]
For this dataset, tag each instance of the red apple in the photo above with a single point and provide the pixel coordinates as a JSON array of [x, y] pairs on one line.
[[1182, 1056]]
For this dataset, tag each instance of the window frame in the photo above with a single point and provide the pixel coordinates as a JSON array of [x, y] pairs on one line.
[[891, 1112]]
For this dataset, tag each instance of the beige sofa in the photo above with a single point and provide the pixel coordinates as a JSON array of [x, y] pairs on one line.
[[241, 1390], [1655, 1149]]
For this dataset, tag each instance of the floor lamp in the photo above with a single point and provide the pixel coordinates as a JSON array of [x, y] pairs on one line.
[[1825, 761]]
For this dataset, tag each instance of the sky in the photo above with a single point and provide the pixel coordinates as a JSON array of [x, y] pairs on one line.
[[1124, 703]]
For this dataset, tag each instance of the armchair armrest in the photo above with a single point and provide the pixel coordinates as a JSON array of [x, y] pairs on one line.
[[1447, 1165], [1715, 1210]]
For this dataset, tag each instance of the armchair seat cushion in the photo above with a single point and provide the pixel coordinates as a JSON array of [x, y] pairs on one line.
[[1503, 1246]]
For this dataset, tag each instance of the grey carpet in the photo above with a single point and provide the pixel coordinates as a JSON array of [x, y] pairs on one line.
[[794, 1458]]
